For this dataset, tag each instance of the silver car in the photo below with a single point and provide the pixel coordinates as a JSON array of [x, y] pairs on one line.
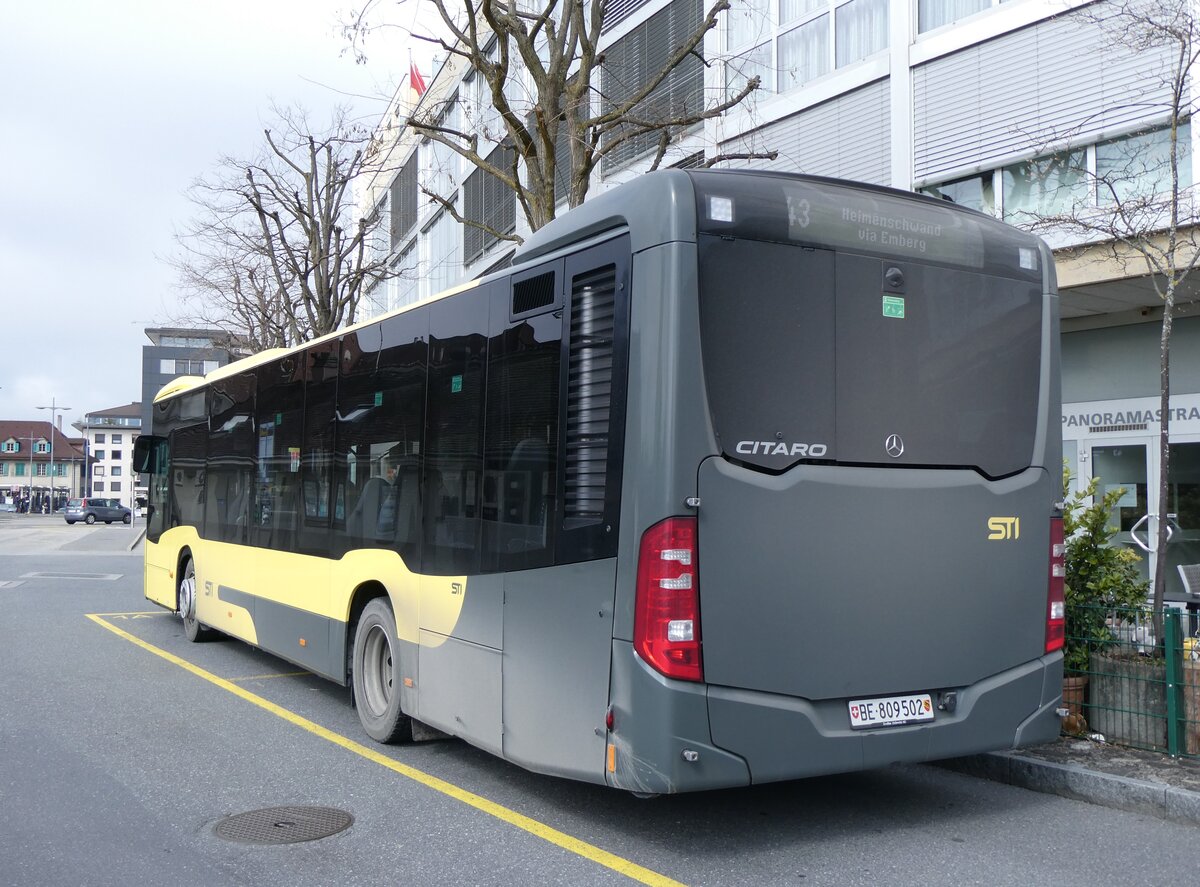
[[92, 509]]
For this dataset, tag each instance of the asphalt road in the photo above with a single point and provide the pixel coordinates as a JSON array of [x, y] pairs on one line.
[[122, 746]]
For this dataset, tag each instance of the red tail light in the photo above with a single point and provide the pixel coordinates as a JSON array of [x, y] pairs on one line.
[[1056, 608], [666, 622]]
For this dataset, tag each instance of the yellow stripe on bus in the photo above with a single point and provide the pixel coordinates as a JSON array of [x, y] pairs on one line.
[[539, 829]]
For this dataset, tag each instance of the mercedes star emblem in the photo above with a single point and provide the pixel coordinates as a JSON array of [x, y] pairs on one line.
[[894, 446]]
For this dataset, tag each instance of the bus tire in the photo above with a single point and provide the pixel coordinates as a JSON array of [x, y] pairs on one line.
[[186, 602], [375, 672]]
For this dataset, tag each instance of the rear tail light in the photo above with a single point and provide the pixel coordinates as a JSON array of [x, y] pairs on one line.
[[1056, 608], [666, 623]]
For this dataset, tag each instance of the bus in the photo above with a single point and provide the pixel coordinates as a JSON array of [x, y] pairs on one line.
[[730, 477]]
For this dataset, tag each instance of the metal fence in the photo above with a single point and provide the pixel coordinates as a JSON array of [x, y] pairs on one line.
[[1124, 684]]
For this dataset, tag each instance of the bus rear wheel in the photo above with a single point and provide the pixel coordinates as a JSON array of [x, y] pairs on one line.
[[375, 671], [192, 629]]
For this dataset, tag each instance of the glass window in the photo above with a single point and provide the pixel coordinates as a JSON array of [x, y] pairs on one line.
[[935, 13], [116, 438], [862, 29], [274, 515], [749, 63], [98, 486], [115, 487], [225, 492], [747, 22], [521, 443], [10, 446], [317, 454], [1139, 165], [99, 454], [404, 200], [1045, 186], [100, 438], [790, 10], [42, 447], [380, 419], [3, 468], [487, 199], [115, 454], [116, 471], [98, 470], [976, 192], [167, 366], [41, 469], [454, 434], [804, 53]]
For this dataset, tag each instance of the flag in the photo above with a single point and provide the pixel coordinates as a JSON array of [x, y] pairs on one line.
[[415, 80]]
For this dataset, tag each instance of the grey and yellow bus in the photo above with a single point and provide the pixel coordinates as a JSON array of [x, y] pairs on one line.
[[731, 477]]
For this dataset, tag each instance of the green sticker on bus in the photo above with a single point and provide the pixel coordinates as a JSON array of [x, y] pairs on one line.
[[455, 384], [893, 306], [378, 398]]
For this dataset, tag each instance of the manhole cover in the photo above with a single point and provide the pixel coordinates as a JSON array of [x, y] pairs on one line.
[[283, 825]]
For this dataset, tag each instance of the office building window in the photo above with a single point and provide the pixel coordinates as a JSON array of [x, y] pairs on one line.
[[99, 454], [115, 487], [115, 455], [1139, 165], [115, 472], [935, 13], [861, 28], [975, 192], [98, 486], [1046, 186], [100, 438], [116, 438]]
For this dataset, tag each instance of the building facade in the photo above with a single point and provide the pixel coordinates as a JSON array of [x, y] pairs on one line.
[[36, 461], [1016, 108], [175, 352], [109, 436]]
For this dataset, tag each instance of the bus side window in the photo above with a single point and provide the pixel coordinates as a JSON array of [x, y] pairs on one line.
[[521, 445], [454, 433], [275, 515], [231, 463], [379, 417]]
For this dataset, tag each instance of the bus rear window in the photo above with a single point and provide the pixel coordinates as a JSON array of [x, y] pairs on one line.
[[817, 355]]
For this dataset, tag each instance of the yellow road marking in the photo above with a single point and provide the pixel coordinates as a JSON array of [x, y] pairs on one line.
[[538, 829], [263, 677]]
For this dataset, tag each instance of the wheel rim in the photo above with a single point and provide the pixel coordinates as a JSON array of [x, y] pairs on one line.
[[187, 596], [377, 670]]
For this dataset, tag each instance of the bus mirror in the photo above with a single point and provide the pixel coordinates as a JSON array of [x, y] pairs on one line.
[[145, 448]]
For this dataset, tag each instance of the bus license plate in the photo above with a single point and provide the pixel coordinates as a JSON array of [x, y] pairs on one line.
[[890, 711]]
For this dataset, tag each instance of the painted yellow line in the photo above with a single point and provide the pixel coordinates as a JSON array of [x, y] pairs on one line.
[[539, 829], [263, 677]]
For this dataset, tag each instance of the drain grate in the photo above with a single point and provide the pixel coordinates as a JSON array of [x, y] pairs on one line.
[[283, 825]]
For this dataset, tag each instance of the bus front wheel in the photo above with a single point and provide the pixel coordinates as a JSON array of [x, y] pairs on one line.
[[375, 671], [192, 629]]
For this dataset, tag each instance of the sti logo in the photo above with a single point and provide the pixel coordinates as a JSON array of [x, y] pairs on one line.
[[1002, 528]]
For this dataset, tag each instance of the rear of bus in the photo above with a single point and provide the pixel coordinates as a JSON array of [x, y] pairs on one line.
[[842, 470]]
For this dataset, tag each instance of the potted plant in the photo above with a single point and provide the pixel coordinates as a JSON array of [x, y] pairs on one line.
[[1100, 580]]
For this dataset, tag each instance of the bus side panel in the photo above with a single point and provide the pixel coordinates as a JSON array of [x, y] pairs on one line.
[[159, 566], [557, 648], [459, 657]]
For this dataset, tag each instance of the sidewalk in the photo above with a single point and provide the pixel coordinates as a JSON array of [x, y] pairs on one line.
[[1108, 775]]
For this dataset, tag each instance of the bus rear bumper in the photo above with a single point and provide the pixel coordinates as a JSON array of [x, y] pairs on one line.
[[784, 737], [672, 736]]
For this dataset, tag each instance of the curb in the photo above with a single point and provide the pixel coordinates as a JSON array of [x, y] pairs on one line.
[[137, 540], [1081, 784]]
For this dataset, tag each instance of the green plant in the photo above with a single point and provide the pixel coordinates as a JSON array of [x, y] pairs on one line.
[[1099, 576]]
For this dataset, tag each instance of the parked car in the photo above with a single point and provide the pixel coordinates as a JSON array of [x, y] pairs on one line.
[[91, 509]]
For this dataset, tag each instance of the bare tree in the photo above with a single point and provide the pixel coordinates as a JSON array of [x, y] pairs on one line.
[[275, 254], [541, 66], [1144, 219]]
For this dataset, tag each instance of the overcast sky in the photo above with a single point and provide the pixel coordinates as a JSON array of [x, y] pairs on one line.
[[108, 111]]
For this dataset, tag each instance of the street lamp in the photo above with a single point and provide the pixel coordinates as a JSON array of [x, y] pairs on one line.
[[53, 408]]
